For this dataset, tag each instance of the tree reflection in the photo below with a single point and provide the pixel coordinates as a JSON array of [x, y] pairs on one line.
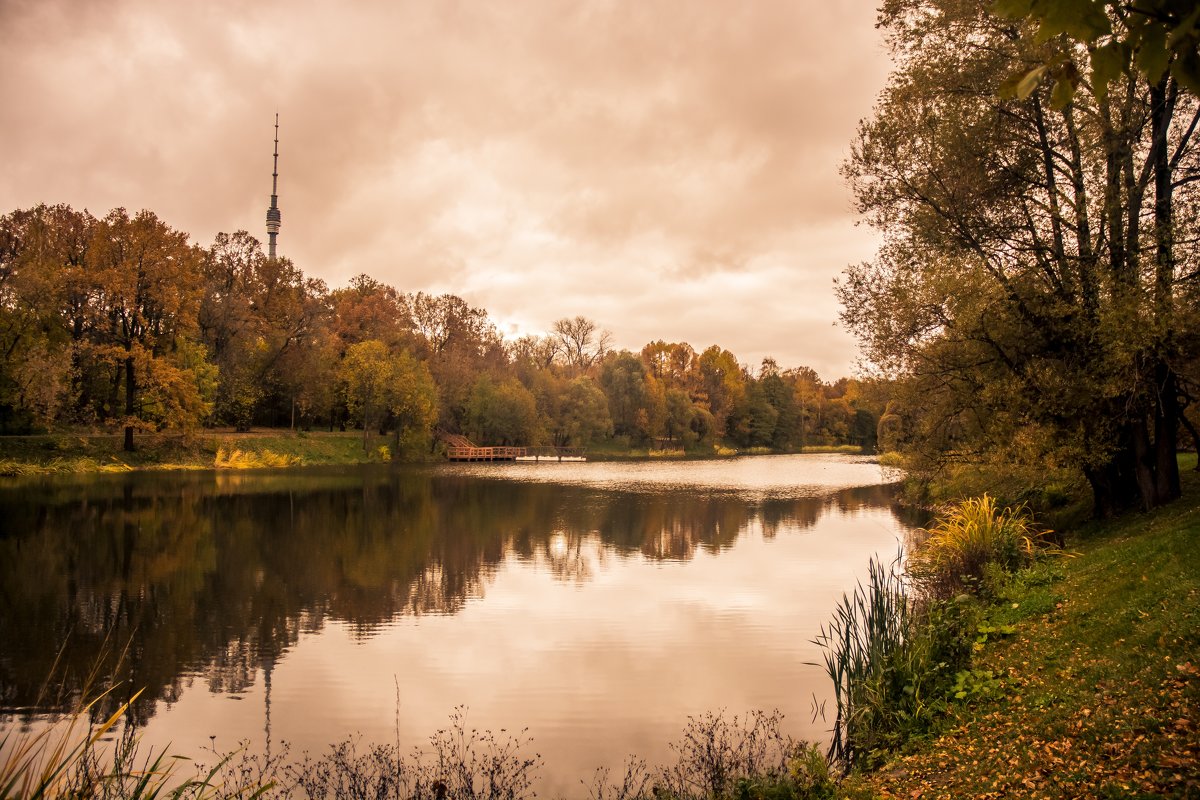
[[218, 575]]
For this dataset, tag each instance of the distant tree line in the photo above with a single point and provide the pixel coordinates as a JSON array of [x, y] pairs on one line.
[[122, 323]]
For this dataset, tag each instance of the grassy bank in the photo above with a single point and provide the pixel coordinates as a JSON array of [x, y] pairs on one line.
[[62, 453], [1096, 690]]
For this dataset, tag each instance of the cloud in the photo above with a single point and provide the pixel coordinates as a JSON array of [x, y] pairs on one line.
[[615, 159]]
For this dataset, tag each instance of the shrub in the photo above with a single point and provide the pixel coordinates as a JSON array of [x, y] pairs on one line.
[[973, 539]]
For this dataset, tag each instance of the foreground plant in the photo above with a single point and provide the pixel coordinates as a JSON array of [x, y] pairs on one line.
[[891, 661]]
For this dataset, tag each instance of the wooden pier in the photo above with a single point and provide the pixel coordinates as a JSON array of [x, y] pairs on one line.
[[484, 453], [459, 448]]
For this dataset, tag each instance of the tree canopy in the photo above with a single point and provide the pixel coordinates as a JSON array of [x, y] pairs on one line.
[[123, 324], [1036, 286]]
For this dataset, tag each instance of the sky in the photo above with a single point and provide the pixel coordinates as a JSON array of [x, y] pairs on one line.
[[666, 168]]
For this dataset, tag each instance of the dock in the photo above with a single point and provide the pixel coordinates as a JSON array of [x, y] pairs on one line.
[[459, 448]]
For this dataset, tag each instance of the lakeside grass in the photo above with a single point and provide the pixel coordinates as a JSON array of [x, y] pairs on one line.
[[1096, 691], [75, 453]]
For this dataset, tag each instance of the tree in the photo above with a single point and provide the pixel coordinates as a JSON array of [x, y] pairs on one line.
[[143, 328], [229, 325], [634, 404], [721, 382], [382, 384], [581, 343], [459, 343], [42, 288], [502, 413], [1032, 276], [583, 417], [1156, 37], [365, 374], [679, 416], [411, 399]]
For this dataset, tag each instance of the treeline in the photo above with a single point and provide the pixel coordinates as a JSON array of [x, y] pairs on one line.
[[123, 323]]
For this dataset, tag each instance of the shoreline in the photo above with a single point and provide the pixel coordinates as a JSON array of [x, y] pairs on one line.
[[265, 448]]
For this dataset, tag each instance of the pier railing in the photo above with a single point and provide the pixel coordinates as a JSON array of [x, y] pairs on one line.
[[473, 453], [485, 453]]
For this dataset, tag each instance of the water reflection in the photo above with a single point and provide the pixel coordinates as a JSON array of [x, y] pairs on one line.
[[219, 575]]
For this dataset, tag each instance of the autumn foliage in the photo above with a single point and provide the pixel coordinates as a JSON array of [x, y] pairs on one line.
[[122, 324]]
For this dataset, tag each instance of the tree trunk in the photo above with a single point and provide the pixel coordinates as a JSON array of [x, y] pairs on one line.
[[130, 400], [1166, 436], [366, 420], [1114, 484]]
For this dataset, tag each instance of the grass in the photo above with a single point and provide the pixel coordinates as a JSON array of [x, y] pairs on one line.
[[248, 459], [845, 449], [972, 540], [88, 452], [1095, 692], [63, 453]]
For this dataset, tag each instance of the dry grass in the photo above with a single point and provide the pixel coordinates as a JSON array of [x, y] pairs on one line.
[[250, 459], [973, 537]]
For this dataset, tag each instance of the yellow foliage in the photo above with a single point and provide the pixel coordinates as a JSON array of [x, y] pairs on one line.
[[249, 459]]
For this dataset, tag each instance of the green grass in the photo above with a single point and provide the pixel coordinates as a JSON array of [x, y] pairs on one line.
[[1095, 693], [845, 449], [64, 453]]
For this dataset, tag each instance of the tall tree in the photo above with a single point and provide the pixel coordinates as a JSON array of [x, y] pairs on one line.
[[43, 292], [1032, 275], [581, 343], [143, 328]]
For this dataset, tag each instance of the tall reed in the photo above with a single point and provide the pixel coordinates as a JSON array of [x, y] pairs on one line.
[[864, 645]]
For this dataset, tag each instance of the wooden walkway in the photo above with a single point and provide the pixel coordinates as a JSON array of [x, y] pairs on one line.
[[460, 448]]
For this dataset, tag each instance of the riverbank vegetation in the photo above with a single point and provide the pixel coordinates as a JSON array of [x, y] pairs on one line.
[[1032, 170], [1083, 679], [63, 453]]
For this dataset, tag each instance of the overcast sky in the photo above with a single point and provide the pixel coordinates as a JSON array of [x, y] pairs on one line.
[[668, 169]]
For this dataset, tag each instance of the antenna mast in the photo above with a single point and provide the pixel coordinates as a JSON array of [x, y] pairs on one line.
[[273, 216]]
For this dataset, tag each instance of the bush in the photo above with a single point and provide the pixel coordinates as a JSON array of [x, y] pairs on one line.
[[971, 541]]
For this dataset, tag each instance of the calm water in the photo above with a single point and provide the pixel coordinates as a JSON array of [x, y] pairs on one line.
[[596, 604]]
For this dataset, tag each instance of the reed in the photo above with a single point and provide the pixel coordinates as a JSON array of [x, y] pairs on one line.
[[864, 648]]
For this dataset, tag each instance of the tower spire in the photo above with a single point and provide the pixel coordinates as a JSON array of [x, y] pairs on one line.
[[273, 216]]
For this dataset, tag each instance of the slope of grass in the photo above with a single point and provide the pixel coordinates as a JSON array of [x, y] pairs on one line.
[[1095, 694]]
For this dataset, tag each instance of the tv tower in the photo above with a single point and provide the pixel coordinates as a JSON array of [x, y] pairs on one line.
[[273, 217]]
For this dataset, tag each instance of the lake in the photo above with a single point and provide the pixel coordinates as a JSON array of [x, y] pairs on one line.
[[598, 605]]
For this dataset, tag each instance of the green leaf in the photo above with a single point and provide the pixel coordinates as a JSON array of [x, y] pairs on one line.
[[1186, 69], [1008, 89], [1062, 94], [1152, 54], [1030, 82], [1107, 63], [1012, 9], [1082, 20]]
